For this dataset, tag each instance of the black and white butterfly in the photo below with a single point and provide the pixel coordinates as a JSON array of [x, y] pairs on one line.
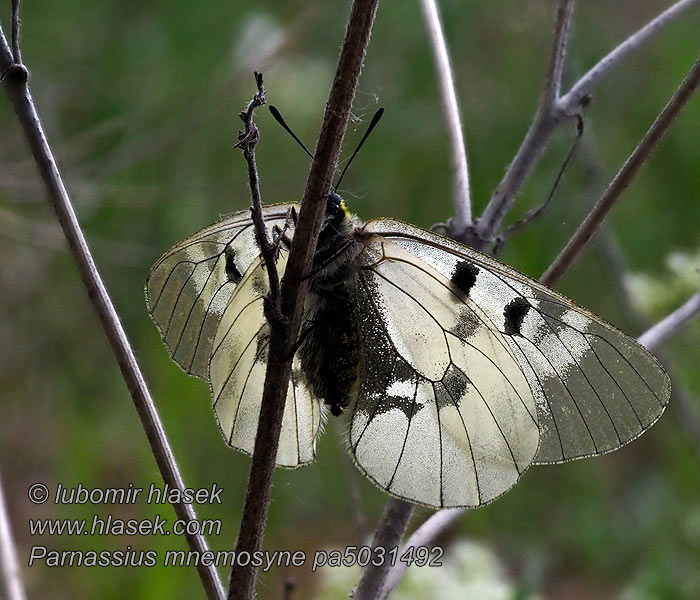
[[456, 372]]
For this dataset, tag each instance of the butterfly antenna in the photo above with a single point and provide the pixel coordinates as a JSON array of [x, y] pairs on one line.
[[287, 128], [372, 125]]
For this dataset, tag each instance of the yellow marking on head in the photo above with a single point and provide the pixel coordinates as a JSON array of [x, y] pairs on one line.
[[344, 207]]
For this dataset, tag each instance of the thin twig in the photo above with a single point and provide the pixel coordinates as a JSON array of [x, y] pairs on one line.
[[424, 536], [10, 572], [20, 97], [247, 141], [283, 334], [450, 108], [571, 102], [555, 70], [641, 153], [16, 26], [392, 527], [671, 325], [544, 124]]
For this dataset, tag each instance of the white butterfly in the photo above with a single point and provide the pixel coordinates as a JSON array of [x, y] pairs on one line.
[[457, 372]]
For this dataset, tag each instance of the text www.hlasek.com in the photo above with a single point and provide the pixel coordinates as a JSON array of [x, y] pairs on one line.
[[112, 526]]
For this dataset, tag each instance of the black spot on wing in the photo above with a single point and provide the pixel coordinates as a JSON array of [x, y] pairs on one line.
[[464, 276], [514, 314]]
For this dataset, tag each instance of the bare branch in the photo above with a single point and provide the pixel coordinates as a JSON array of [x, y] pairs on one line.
[[641, 153], [552, 87], [450, 108], [424, 536], [571, 102], [392, 526], [10, 573], [653, 337], [546, 120], [20, 97], [248, 141], [283, 334]]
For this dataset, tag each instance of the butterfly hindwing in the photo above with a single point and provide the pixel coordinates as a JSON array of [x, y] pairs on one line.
[[189, 287], [596, 388], [444, 415]]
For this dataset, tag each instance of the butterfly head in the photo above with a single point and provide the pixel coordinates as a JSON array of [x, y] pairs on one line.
[[336, 211]]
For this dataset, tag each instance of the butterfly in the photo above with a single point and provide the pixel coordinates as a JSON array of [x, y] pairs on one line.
[[455, 372]]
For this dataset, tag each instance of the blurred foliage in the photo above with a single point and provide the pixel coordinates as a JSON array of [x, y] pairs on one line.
[[140, 100]]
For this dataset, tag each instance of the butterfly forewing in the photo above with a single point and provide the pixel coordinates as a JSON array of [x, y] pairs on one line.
[[206, 297], [189, 287], [595, 388], [444, 415]]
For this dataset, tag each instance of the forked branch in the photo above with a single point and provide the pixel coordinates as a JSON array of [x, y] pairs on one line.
[[550, 115], [248, 141]]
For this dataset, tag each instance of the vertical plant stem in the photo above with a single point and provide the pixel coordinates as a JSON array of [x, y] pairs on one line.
[[450, 108], [283, 333]]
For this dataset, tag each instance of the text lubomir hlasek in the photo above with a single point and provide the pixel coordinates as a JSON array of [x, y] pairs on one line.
[[131, 494]]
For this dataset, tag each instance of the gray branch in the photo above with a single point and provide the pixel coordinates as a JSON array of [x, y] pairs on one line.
[[392, 526], [424, 536], [657, 335], [15, 85], [450, 109]]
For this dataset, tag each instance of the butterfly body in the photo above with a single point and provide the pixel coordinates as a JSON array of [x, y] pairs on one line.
[[456, 372]]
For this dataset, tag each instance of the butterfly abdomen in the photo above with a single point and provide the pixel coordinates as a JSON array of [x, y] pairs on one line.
[[330, 349]]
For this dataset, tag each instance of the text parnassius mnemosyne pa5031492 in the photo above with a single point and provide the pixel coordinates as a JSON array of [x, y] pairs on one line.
[[456, 372]]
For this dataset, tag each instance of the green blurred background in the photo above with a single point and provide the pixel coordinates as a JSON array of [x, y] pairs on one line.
[[140, 101]]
